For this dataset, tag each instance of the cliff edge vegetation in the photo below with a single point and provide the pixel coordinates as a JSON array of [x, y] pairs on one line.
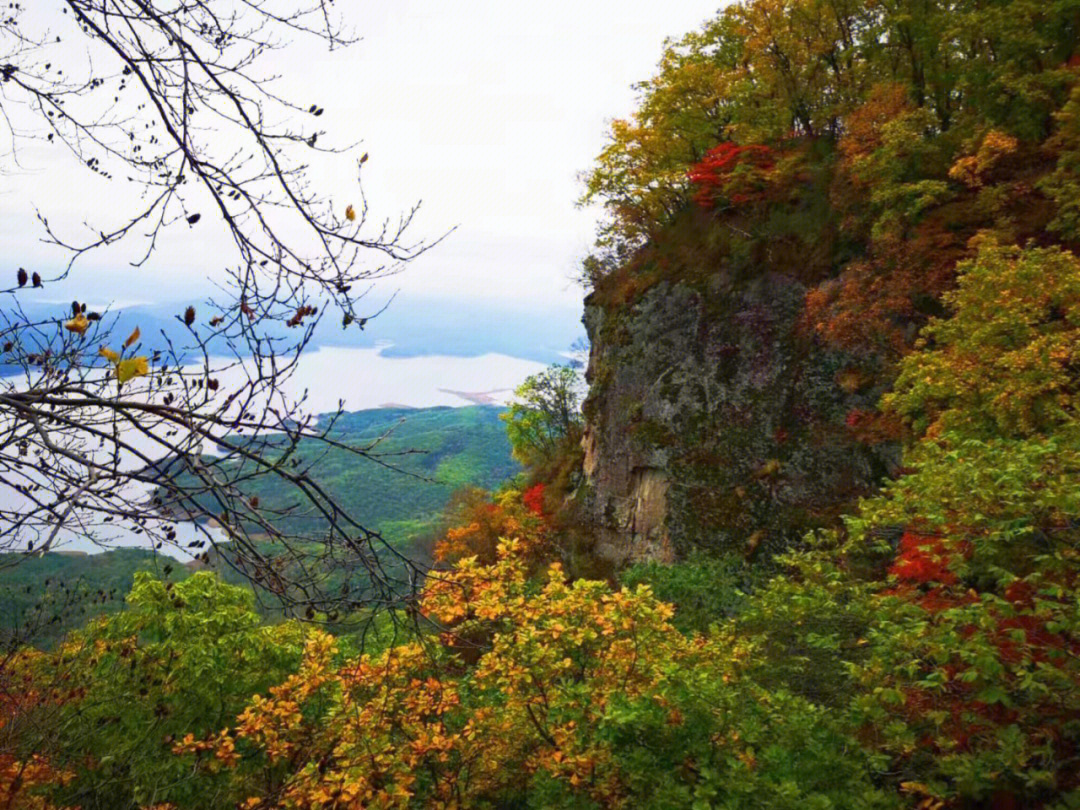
[[785, 211]]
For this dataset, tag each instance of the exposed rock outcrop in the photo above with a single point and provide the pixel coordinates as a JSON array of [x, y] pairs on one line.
[[716, 420]]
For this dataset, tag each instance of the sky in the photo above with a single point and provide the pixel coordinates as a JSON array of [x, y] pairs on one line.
[[486, 111]]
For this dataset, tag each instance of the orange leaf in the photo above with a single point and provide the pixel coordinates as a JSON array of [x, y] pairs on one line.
[[78, 324]]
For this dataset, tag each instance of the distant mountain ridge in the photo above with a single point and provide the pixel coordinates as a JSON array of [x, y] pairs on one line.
[[451, 328]]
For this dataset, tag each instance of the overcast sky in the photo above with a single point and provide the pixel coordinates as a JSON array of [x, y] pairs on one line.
[[486, 110]]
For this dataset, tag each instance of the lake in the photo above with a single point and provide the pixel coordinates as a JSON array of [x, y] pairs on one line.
[[360, 379]]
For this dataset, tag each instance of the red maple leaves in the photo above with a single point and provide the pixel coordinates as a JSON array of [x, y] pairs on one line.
[[533, 498], [732, 172], [922, 560]]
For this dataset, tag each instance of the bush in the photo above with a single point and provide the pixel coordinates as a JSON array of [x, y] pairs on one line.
[[703, 590]]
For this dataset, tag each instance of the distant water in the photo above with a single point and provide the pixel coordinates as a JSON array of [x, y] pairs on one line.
[[411, 327], [369, 378], [362, 378]]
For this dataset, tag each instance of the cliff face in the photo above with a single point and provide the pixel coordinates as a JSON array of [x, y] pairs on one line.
[[714, 420]]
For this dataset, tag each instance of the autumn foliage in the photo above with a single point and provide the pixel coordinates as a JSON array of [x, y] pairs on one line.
[[732, 173], [400, 728], [533, 499], [476, 522], [915, 168], [582, 696]]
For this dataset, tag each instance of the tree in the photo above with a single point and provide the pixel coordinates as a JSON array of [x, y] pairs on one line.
[[640, 176], [578, 695], [174, 100], [114, 698], [545, 416], [972, 644], [765, 72], [475, 523]]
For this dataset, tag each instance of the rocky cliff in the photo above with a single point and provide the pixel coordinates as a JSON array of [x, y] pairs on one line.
[[716, 420]]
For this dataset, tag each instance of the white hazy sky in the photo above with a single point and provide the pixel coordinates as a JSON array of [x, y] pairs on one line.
[[486, 110]]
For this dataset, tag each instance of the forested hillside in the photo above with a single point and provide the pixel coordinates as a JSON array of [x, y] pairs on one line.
[[813, 540], [429, 454], [43, 598], [419, 457]]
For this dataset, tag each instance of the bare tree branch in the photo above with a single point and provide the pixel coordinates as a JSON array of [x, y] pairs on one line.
[[98, 432]]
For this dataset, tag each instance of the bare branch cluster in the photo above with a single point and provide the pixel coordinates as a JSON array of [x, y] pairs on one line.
[[98, 431]]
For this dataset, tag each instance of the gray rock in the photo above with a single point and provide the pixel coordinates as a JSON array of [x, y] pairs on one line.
[[715, 421]]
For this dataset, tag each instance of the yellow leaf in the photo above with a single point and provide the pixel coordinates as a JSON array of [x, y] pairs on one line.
[[132, 337], [130, 368], [917, 788], [350, 214], [78, 324], [109, 354]]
